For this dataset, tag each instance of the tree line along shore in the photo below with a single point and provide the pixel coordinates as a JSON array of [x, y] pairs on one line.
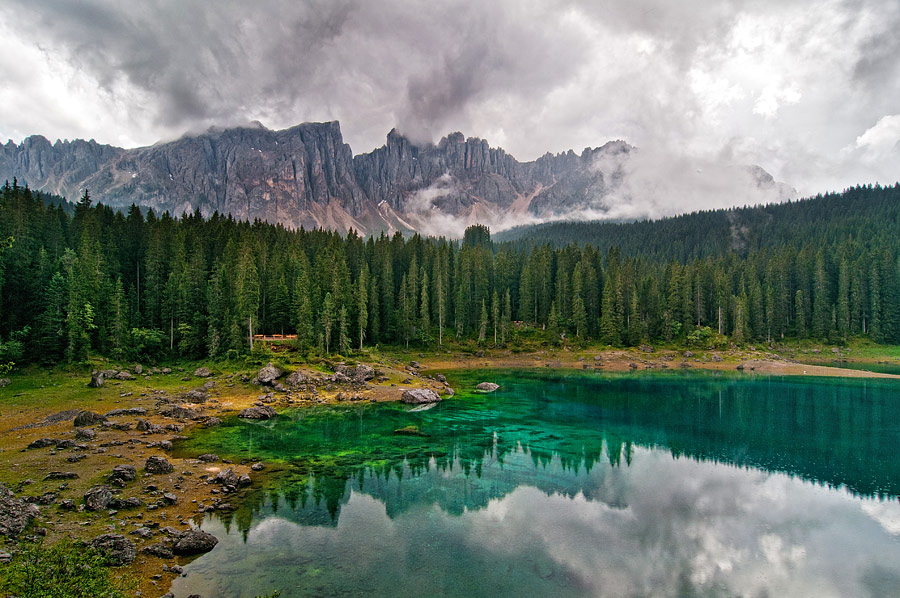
[[83, 279]]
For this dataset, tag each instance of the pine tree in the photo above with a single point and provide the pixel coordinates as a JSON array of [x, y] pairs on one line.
[[553, 324], [505, 329], [610, 331], [424, 310], [800, 314], [247, 291], [362, 299], [327, 318], [495, 314], [406, 311], [303, 310], [843, 300], [119, 330], [343, 331], [483, 322], [821, 315], [51, 331]]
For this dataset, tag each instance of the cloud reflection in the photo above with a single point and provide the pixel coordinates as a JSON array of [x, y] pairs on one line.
[[662, 526]]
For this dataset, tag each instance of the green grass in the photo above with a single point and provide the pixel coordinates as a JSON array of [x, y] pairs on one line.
[[62, 570]]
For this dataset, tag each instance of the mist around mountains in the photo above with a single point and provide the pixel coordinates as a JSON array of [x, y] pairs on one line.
[[307, 176]]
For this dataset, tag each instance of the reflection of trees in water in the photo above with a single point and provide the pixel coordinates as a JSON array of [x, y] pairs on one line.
[[833, 433]]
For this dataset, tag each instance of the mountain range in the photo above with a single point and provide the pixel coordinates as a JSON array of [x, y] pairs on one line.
[[307, 176]]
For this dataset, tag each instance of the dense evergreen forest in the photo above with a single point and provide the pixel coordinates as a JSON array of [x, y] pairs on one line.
[[860, 211], [137, 286]]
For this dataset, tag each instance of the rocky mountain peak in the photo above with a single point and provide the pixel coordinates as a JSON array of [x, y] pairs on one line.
[[307, 176]]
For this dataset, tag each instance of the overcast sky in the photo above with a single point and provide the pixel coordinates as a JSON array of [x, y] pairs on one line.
[[809, 90]]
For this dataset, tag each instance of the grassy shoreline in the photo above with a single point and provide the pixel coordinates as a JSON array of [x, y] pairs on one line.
[[34, 394]]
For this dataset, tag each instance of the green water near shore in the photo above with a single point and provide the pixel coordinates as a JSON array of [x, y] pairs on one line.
[[574, 484], [881, 368]]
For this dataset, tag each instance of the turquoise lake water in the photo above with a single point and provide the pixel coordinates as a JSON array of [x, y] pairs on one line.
[[573, 484]]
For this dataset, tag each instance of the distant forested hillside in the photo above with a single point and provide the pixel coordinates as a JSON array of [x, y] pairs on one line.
[[137, 286], [859, 211]]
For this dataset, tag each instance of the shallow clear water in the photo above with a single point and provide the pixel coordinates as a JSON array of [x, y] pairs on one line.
[[579, 484], [883, 368]]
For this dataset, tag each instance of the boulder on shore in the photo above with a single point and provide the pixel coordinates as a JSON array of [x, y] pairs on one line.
[[97, 380], [158, 465], [259, 412], [122, 473], [194, 541], [118, 549], [419, 396], [363, 373], [88, 418], [487, 387], [42, 443], [268, 375], [295, 379], [98, 498], [178, 412], [15, 513], [203, 372], [227, 478], [197, 395]]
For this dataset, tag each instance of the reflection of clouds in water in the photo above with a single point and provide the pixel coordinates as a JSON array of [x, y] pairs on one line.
[[711, 526], [886, 513], [675, 526]]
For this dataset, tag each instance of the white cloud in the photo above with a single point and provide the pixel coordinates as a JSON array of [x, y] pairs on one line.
[[882, 138], [766, 81]]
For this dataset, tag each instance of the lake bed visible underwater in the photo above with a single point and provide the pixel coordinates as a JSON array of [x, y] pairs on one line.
[[572, 484]]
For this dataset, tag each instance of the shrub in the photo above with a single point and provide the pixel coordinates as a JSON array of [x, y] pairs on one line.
[[63, 570]]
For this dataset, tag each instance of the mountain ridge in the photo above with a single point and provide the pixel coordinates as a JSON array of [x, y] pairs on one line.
[[306, 175]]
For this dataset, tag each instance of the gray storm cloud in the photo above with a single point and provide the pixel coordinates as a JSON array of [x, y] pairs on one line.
[[790, 86]]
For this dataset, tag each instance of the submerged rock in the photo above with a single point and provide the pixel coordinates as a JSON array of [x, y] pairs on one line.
[[159, 550], [410, 431], [258, 412], [418, 396], [487, 387]]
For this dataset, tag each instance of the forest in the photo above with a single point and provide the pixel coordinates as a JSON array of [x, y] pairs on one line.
[[89, 280]]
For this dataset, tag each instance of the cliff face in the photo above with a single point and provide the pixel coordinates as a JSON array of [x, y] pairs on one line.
[[307, 176]]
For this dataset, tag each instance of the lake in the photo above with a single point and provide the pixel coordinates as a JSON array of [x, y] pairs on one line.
[[570, 484]]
